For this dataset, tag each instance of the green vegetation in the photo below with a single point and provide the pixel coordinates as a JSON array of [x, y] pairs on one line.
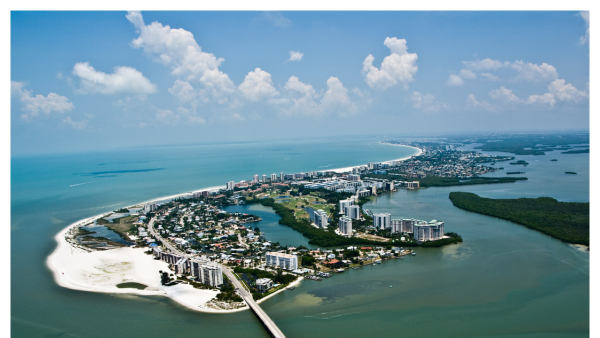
[[132, 285], [454, 239], [532, 144], [520, 162], [316, 236], [515, 172], [567, 221], [570, 172], [228, 292], [122, 210], [121, 225], [582, 151], [277, 278], [96, 240], [553, 160], [437, 181]]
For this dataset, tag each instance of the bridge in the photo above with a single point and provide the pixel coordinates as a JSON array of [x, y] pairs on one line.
[[265, 320]]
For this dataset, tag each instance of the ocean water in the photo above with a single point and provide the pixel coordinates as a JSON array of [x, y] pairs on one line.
[[503, 281]]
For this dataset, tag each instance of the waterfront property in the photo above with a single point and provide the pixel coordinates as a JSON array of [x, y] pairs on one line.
[[345, 226], [282, 260]]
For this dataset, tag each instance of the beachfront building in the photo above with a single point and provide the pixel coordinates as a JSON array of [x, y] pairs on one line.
[[413, 185], [363, 193], [206, 273], [382, 221], [344, 204], [345, 226], [264, 284], [321, 219], [282, 260], [264, 179], [149, 207], [230, 185], [408, 225], [353, 177], [428, 231], [255, 178], [281, 177], [352, 211], [273, 177]]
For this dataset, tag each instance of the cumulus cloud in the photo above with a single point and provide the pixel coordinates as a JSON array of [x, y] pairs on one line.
[[257, 85], [585, 15], [34, 105], [77, 125], [167, 116], [504, 94], [304, 101], [473, 103], [489, 76], [336, 95], [295, 56], [178, 49], [293, 83], [533, 72], [545, 98], [483, 64], [399, 66], [122, 80], [425, 102], [184, 91], [455, 80], [565, 91]]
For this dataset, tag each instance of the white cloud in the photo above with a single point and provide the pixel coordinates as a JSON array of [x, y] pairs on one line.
[[483, 64], [467, 74], [565, 92], [293, 83], [489, 76], [257, 85], [122, 80], [277, 19], [77, 125], [183, 90], [545, 98], [585, 15], [167, 116], [504, 94], [399, 66], [455, 80], [425, 102], [178, 49], [305, 102], [34, 105], [473, 103], [533, 72], [336, 96], [295, 56]]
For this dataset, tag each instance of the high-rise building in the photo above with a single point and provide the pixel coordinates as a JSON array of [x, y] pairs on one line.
[[345, 225], [428, 231], [281, 177], [407, 225], [230, 185], [264, 179], [344, 204], [352, 211], [353, 177], [273, 177], [282, 260], [255, 178], [149, 207], [382, 221], [321, 219], [389, 186]]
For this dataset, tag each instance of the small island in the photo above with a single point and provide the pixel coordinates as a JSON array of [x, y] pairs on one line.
[[520, 162], [570, 172], [515, 173], [567, 221], [553, 160]]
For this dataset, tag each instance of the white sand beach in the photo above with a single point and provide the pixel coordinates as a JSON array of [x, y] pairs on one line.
[[347, 169], [101, 271]]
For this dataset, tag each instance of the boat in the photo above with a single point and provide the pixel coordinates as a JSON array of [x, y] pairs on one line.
[[390, 286], [414, 254], [291, 288]]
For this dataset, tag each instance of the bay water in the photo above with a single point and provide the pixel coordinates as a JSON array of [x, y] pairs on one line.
[[503, 281]]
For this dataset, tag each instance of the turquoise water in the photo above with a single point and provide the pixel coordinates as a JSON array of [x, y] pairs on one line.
[[503, 281]]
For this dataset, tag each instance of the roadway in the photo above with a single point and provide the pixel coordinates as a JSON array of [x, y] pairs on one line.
[[269, 324]]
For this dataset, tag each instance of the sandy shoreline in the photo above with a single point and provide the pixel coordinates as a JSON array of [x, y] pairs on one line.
[[100, 271]]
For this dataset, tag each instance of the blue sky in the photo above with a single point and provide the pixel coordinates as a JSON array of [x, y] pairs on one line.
[[83, 81]]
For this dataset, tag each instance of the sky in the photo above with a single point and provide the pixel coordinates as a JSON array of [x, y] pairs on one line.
[[97, 80]]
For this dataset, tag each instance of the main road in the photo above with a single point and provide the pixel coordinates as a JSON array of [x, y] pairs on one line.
[[267, 322]]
